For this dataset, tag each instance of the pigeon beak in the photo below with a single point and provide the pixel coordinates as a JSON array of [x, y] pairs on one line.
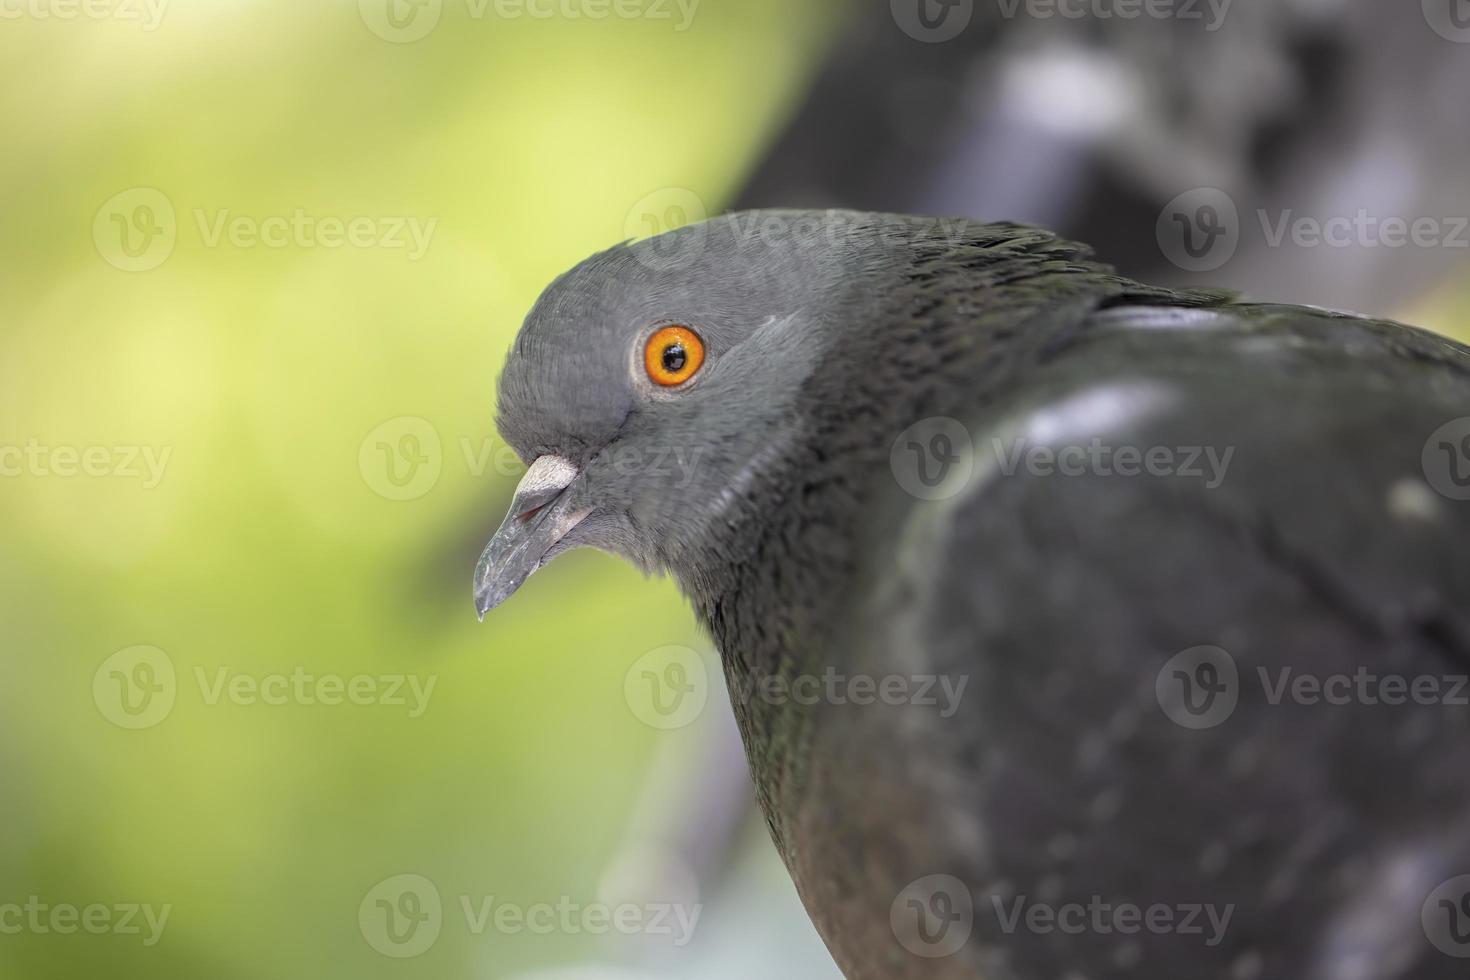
[[540, 516]]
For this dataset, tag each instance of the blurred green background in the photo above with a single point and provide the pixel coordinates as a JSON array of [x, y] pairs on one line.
[[254, 418], [259, 375]]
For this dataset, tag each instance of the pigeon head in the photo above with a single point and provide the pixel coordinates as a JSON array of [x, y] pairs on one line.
[[650, 384]]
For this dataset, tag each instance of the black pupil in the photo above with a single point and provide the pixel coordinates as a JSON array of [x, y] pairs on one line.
[[675, 358]]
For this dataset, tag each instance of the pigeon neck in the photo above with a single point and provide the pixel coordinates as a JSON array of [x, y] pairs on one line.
[[777, 577]]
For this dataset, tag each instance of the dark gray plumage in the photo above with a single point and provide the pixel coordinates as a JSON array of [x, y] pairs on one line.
[[1060, 779]]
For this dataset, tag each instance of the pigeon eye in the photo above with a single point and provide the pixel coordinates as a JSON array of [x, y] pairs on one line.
[[674, 354]]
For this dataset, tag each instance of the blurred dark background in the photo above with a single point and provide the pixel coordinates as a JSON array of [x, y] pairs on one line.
[[259, 263]]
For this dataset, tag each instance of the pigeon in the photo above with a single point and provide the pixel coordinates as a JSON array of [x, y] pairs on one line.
[[1074, 627]]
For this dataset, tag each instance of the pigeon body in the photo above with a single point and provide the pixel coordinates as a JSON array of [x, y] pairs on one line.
[[1030, 719]]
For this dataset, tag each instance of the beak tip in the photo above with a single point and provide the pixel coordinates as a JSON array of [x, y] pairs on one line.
[[484, 602]]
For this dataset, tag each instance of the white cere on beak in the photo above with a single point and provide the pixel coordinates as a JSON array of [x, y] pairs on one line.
[[549, 474]]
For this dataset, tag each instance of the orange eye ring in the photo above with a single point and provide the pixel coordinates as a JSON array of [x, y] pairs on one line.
[[673, 355]]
